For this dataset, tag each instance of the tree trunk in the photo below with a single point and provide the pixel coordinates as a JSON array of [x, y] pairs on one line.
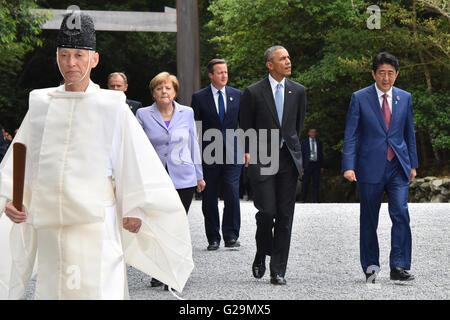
[[425, 66], [416, 39]]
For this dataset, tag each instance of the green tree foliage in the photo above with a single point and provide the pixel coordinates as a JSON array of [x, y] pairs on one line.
[[332, 49], [19, 31]]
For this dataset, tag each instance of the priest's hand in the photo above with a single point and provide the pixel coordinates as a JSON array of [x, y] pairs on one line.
[[132, 224], [14, 214]]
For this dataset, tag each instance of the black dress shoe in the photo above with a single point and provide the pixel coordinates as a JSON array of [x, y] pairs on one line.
[[259, 266], [278, 280], [213, 246], [155, 283], [400, 274], [233, 243]]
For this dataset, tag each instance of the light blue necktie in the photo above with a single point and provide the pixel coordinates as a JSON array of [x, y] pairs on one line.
[[279, 106], [221, 107]]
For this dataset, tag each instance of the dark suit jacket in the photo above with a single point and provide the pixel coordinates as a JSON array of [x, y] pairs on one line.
[[258, 111], [366, 137], [3, 146], [134, 105], [206, 112], [306, 152]]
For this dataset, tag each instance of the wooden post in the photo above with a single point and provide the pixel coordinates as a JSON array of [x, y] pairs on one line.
[[188, 49]]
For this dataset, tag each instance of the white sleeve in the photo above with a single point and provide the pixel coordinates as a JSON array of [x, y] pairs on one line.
[[162, 247]]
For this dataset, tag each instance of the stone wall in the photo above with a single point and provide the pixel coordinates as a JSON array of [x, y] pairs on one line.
[[338, 190], [430, 189]]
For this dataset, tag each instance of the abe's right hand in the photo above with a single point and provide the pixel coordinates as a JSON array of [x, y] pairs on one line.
[[350, 175], [15, 215]]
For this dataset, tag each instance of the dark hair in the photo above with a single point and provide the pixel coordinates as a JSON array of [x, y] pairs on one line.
[[270, 52], [213, 62], [384, 58]]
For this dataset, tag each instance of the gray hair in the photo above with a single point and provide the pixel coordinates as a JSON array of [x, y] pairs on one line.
[[121, 74], [269, 52]]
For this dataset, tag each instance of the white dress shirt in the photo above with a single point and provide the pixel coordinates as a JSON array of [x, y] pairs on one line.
[[311, 147], [380, 97], [215, 93], [273, 85]]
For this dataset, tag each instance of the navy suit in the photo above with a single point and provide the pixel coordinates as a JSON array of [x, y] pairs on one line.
[[365, 151], [134, 105], [224, 173], [3, 147], [311, 168]]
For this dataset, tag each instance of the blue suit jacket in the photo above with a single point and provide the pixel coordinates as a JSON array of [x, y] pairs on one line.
[[366, 137], [176, 145], [206, 112]]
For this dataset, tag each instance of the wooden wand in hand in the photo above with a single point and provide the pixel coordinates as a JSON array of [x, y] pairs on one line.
[[19, 154]]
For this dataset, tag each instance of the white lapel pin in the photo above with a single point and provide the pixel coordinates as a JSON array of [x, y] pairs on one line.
[[289, 91], [231, 98], [398, 99]]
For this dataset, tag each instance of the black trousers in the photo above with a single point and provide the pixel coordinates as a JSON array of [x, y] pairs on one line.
[[312, 172], [186, 195], [274, 197]]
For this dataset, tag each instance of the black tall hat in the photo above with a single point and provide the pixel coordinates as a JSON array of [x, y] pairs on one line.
[[77, 31]]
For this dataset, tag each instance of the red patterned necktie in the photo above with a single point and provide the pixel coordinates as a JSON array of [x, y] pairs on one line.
[[387, 119]]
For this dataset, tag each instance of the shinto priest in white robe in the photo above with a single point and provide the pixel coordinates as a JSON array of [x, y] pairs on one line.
[[88, 165]]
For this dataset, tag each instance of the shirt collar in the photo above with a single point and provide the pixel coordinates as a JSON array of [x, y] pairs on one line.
[[91, 87], [381, 93], [214, 90], [273, 82]]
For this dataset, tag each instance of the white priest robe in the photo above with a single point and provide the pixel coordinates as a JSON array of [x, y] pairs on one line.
[[88, 165]]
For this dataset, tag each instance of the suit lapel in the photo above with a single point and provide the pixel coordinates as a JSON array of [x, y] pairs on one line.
[[287, 100], [231, 105], [211, 104], [375, 105], [270, 101], [176, 115], [157, 116], [395, 105]]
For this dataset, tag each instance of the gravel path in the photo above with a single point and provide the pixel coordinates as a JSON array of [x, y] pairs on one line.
[[323, 261]]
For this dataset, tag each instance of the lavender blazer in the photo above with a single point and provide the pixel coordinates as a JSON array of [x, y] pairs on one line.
[[177, 145]]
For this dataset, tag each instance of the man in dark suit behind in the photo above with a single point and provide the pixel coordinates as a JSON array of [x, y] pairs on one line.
[[3, 144], [380, 153], [274, 105], [217, 107], [312, 152], [119, 81]]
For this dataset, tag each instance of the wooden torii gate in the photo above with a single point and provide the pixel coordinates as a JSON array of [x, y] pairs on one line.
[[183, 20]]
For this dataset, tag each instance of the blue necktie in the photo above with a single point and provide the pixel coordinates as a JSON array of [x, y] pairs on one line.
[[279, 106], [221, 107]]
